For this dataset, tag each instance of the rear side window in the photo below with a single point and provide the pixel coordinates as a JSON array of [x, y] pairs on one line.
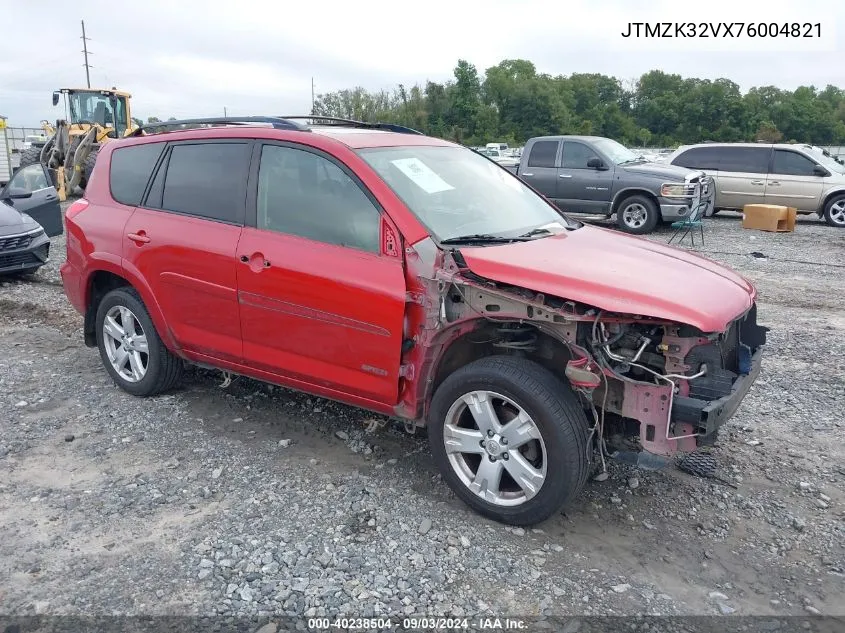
[[792, 164], [543, 154], [130, 170], [207, 180], [698, 158], [753, 160]]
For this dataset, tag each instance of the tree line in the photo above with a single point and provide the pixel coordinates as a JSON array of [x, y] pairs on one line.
[[513, 102]]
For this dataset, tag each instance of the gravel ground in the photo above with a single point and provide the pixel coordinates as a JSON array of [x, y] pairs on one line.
[[254, 500]]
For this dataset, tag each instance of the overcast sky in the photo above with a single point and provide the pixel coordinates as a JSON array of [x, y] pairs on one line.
[[191, 58]]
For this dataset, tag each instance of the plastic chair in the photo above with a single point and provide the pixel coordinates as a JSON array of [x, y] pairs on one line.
[[695, 220]]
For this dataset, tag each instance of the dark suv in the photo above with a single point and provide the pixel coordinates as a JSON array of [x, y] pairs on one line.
[[413, 277]]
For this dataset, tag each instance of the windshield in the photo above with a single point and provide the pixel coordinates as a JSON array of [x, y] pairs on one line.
[[827, 161], [455, 192], [94, 107], [616, 152]]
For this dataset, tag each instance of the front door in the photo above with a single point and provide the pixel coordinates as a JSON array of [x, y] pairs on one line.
[[541, 168], [581, 188], [42, 201], [183, 241], [320, 302], [793, 181]]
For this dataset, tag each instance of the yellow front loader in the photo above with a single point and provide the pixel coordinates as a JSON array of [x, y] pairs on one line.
[[93, 118]]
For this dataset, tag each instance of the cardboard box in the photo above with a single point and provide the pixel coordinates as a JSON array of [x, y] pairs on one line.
[[768, 217]]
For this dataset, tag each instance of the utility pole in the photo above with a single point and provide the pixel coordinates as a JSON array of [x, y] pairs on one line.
[[85, 52], [312, 95], [224, 112]]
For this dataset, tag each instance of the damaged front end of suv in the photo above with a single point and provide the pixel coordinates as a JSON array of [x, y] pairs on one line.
[[651, 385]]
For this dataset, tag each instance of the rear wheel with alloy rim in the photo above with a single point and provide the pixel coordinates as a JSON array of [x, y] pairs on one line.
[[834, 211], [637, 215], [510, 439], [130, 347]]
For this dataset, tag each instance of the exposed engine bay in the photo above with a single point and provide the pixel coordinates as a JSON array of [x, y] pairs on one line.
[[650, 384]]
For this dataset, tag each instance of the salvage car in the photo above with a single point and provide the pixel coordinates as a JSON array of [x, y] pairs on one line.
[[410, 276], [599, 176], [29, 216]]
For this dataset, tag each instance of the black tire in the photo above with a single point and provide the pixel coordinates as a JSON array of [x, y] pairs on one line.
[[163, 370], [30, 156], [639, 205], [552, 406], [88, 167], [834, 211]]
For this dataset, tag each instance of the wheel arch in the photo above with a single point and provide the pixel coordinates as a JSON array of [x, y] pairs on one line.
[[480, 338], [103, 280], [828, 197], [624, 194]]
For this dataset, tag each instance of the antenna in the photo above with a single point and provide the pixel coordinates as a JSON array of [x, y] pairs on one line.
[[85, 53]]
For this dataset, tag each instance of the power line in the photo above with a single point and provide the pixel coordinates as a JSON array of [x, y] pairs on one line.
[[85, 53]]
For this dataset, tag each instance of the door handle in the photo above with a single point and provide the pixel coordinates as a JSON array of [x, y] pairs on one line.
[[50, 198], [564, 175], [527, 174], [256, 261], [775, 183], [757, 182], [139, 237]]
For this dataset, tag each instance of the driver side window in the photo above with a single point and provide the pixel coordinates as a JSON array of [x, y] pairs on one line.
[[576, 155]]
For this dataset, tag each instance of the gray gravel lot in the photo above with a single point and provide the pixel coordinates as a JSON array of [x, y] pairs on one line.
[[254, 500]]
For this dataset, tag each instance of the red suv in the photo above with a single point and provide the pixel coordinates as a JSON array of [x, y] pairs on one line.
[[413, 277]]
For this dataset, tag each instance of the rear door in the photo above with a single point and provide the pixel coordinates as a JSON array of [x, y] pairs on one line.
[[43, 203], [183, 238], [793, 182], [742, 175], [541, 167], [321, 302], [580, 188]]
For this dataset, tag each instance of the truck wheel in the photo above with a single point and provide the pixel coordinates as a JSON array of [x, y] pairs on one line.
[[834, 211], [30, 156], [510, 439], [130, 347], [88, 167], [637, 215]]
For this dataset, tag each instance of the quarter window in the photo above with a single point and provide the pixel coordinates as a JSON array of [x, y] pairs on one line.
[[302, 193], [699, 158], [130, 170]]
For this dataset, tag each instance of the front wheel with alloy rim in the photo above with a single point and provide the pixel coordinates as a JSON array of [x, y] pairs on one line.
[[130, 347], [834, 211], [510, 439], [637, 215]]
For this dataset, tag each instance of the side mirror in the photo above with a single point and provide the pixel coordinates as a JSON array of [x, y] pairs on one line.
[[818, 170], [55, 98], [595, 163], [16, 194]]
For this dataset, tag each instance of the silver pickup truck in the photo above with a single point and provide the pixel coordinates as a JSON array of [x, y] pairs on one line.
[[596, 175]]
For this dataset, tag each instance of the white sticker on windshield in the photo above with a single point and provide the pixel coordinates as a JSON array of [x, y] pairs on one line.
[[422, 175]]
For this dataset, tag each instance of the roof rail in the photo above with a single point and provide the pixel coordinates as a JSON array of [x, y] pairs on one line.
[[277, 122], [332, 120]]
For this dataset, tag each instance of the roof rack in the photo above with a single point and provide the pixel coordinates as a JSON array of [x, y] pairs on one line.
[[332, 120], [277, 122]]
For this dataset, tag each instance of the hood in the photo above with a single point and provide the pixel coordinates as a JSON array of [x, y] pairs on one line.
[[13, 221], [658, 170], [620, 273]]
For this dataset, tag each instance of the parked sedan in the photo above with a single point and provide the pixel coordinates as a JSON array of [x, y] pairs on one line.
[[29, 216]]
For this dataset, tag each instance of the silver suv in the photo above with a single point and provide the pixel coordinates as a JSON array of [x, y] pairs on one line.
[[799, 176]]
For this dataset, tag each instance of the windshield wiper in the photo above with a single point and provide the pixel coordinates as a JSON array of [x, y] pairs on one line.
[[480, 238], [538, 231]]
